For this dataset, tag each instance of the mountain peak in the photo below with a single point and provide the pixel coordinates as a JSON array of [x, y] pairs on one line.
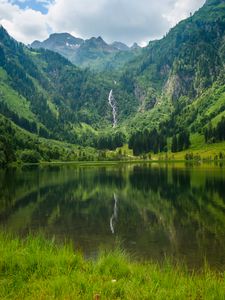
[[3, 30], [63, 38], [99, 38], [96, 42], [57, 34], [120, 46], [135, 46], [4, 36], [56, 41]]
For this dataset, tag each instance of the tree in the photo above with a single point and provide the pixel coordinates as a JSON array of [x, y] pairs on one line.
[[145, 141], [187, 141], [30, 156], [174, 146]]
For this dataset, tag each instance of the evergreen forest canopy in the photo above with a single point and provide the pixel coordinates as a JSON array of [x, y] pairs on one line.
[[166, 93]]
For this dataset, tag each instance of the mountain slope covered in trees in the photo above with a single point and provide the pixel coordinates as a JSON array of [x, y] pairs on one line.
[[44, 93], [179, 80]]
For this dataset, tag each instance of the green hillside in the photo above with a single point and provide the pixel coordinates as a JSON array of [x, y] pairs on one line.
[[179, 80], [173, 91], [53, 95], [17, 144], [185, 63]]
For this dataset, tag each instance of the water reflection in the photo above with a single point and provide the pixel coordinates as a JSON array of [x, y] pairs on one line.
[[164, 210], [113, 219]]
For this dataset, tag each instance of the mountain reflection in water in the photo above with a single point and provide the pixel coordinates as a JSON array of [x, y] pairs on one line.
[[164, 210]]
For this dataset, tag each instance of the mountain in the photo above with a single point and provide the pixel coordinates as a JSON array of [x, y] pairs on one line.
[[135, 46], [172, 74], [58, 40], [120, 46], [93, 49], [94, 53], [43, 95], [172, 90], [43, 90], [63, 43]]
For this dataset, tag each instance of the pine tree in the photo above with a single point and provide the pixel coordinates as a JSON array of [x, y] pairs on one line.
[[180, 141], [174, 144]]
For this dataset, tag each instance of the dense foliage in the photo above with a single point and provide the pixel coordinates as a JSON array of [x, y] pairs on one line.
[[110, 141], [175, 77], [216, 134], [60, 95], [180, 142], [148, 141], [7, 153]]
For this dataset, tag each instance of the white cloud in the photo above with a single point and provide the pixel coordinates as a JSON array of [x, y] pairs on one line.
[[124, 20], [181, 9], [24, 25]]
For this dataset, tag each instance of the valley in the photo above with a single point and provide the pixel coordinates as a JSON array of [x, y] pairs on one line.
[[171, 89], [112, 155]]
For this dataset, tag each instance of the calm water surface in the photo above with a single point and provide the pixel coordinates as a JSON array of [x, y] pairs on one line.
[[153, 210]]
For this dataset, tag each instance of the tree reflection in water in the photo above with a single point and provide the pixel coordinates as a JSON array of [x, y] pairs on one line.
[[165, 210]]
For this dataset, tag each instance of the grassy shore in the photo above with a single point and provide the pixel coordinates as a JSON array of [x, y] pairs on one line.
[[39, 269]]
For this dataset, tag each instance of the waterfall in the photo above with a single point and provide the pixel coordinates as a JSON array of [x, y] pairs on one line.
[[114, 215], [112, 103]]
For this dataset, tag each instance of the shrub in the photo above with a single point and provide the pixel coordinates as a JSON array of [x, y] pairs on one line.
[[30, 156]]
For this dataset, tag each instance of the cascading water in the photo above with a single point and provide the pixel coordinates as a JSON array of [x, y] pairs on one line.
[[114, 216], [112, 103]]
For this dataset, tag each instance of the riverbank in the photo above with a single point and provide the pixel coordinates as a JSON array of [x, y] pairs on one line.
[[39, 269]]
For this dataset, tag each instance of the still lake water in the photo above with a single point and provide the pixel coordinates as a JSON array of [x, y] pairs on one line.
[[154, 211]]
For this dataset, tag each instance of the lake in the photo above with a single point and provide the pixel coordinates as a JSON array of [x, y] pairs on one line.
[[153, 211]]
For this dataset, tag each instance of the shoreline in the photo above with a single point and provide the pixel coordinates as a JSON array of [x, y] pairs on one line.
[[117, 162]]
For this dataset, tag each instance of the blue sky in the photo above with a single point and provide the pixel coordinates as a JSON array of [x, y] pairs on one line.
[[127, 21], [38, 5]]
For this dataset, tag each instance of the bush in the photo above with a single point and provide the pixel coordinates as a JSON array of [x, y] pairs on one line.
[[30, 156]]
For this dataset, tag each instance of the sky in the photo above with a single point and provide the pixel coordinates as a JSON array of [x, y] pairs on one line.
[[127, 21]]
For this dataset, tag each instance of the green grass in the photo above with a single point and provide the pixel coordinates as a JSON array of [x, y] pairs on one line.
[[39, 269], [198, 146], [17, 103]]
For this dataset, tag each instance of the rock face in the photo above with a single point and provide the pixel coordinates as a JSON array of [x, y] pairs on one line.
[[58, 40], [147, 99], [63, 43], [120, 46]]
